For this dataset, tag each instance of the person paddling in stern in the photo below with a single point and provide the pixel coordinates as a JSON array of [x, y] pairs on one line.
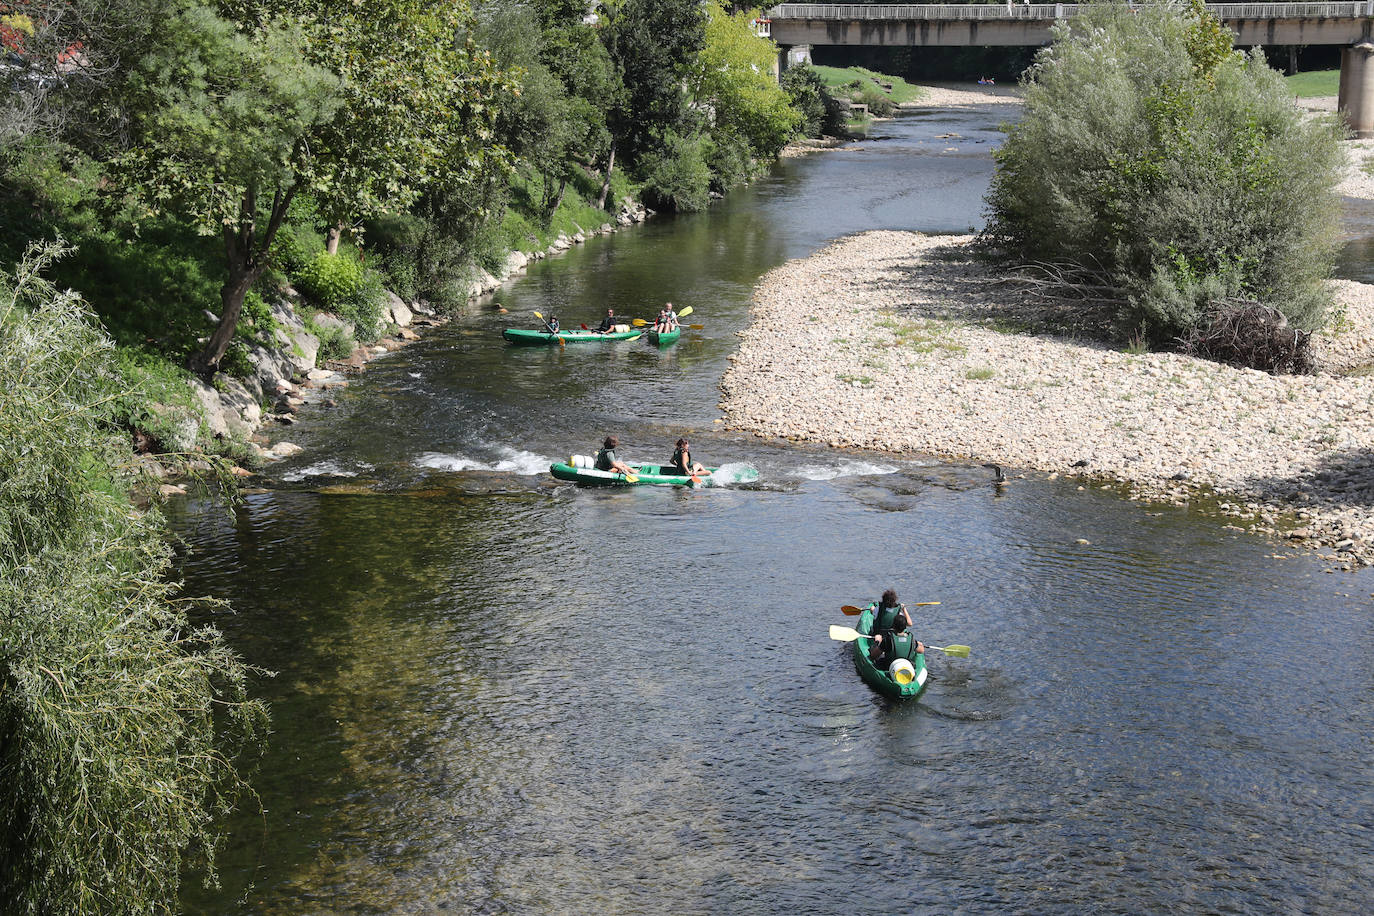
[[606, 459], [896, 643], [608, 323]]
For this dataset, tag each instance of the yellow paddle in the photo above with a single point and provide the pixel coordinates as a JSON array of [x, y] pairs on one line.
[[558, 336], [853, 611], [849, 634]]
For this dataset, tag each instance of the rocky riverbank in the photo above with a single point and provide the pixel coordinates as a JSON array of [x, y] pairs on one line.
[[291, 374], [907, 343]]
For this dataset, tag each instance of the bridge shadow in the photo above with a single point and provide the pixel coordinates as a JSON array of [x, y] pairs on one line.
[[1344, 477], [970, 283]]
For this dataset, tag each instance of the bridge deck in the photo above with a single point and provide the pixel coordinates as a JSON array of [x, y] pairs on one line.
[[1015, 23]]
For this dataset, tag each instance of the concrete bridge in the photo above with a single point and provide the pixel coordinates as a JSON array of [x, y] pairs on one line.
[[1349, 25]]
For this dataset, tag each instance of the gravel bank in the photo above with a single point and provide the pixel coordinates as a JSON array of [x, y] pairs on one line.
[[896, 341]]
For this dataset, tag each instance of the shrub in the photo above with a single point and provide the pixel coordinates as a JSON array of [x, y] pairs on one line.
[[729, 161], [119, 720], [819, 111], [676, 176], [1168, 172], [340, 284]]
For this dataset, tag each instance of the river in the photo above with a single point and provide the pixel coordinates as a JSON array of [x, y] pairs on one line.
[[496, 693]]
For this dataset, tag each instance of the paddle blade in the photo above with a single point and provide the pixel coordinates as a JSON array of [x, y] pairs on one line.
[[630, 478], [684, 312], [844, 634], [697, 327], [953, 651], [539, 316], [923, 603], [639, 322], [851, 610]]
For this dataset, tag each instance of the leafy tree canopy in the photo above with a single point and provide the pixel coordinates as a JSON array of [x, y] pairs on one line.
[[1171, 172], [734, 75]]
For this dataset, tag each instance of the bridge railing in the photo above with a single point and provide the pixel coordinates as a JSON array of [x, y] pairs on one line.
[[1017, 10]]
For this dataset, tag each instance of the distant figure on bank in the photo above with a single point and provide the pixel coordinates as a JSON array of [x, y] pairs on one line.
[[607, 323], [681, 463], [606, 459]]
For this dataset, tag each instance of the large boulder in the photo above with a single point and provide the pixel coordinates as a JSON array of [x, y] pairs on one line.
[[516, 262], [212, 409], [270, 367], [395, 311], [242, 409], [305, 347]]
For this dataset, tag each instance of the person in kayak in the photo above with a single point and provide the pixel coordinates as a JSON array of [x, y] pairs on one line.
[[553, 324], [608, 323], [606, 459], [667, 319], [896, 643], [888, 611], [681, 463]]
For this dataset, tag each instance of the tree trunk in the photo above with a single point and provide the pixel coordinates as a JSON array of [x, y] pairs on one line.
[[331, 245], [1292, 59], [606, 179], [231, 295], [558, 198], [246, 264]]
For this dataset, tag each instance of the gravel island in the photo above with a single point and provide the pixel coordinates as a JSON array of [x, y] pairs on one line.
[[905, 342]]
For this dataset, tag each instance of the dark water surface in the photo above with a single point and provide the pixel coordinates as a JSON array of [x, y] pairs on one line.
[[501, 694]]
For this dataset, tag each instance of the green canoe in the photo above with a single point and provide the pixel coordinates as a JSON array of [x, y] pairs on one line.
[[878, 679], [647, 475], [544, 338], [664, 338]]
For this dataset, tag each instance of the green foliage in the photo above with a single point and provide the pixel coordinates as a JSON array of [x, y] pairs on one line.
[[733, 75], [820, 114], [335, 341], [340, 284], [1171, 176], [330, 280], [119, 719], [676, 176], [653, 44]]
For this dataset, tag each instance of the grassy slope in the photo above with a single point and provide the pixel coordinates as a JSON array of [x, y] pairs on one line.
[[1316, 83], [841, 77]]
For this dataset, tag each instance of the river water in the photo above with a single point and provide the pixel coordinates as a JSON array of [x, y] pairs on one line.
[[496, 693]]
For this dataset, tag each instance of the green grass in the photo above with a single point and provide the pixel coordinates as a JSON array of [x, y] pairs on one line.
[[839, 78], [1316, 83], [523, 228], [980, 374]]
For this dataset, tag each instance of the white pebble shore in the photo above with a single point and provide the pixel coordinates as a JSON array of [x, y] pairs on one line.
[[889, 340]]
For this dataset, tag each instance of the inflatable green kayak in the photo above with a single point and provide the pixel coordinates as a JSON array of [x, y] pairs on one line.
[[875, 677], [664, 338], [544, 338], [582, 470]]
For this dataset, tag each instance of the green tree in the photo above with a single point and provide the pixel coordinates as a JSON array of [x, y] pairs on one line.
[[654, 45], [733, 75], [119, 719], [1172, 174], [366, 107]]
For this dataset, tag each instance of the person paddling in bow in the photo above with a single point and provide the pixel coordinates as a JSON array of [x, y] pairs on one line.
[[608, 323], [681, 463], [888, 612], [896, 643]]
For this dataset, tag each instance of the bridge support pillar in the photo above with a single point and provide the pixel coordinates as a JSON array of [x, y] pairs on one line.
[[1356, 99]]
